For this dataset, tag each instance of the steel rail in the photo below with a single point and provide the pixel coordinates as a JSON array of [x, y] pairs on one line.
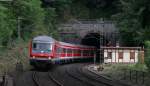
[[78, 78], [54, 80], [96, 79], [34, 78], [99, 76]]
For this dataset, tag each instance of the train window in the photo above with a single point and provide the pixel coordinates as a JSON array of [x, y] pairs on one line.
[[92, 52], [76, 51], [58, 50], [85, 52], [73, 51], [41, 47], [69, 50], [79, 51], [34, 45], [64, 50]]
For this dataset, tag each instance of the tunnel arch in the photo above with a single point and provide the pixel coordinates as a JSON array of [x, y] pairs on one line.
[[94, 39], [97, 40]]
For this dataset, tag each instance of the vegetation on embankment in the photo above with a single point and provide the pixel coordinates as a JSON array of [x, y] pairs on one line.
[[127, 73], [10, 56]]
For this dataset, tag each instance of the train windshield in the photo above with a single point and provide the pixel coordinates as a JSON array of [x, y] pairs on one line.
[[41, 47]]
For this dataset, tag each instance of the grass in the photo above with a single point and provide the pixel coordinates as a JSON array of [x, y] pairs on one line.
[[117, 71]]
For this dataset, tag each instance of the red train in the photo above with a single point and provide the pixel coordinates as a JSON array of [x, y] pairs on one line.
[[46, 50]]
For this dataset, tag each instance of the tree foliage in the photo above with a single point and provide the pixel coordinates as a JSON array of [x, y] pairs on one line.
[[83, 9], [131, 16], [133, 21], [6, 25], [29, 16], [147, 54]]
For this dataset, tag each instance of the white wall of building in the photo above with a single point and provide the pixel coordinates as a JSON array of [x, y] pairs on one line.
[[115, 56]]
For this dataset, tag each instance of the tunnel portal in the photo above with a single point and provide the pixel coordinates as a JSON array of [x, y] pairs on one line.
[[97, 40], [94, 39]]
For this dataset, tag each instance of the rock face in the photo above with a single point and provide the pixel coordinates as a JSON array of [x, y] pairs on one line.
[[83, 27]]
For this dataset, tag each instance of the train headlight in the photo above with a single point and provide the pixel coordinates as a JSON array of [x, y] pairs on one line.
[[33, 56], [49, 57]]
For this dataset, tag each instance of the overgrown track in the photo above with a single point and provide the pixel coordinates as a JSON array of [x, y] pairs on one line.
[[38, 81]]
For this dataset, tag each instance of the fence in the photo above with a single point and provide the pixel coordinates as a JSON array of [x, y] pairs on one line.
[[135, 76]]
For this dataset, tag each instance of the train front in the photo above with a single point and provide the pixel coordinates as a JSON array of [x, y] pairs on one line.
[[41, 51]]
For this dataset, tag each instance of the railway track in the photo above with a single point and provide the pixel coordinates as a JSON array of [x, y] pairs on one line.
[[94, 78], [54, 80], [37, 81], [102, 78], [66, 75], [78, 73], [75, 76], [72, 73]]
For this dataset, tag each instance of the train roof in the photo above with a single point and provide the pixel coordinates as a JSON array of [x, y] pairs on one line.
[[45, 39], [75, 45], [48, 39]]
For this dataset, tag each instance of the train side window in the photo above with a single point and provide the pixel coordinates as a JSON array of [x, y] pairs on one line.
[[85, 52], [79, 51], [69, 51], [76, 51], [64, 50], [92, 52], [58, 50]]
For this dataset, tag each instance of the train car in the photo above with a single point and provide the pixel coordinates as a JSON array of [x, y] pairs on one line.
[[45, 50]]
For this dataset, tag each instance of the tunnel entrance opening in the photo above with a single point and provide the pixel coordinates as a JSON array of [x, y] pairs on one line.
[[97, 40]]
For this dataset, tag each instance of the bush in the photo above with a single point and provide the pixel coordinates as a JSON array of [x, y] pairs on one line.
[[147, 54]]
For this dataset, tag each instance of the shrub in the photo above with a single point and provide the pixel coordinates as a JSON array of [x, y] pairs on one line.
[[147, 54]]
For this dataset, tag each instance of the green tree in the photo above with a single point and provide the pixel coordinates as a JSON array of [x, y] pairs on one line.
[[7, 25], [50, 22], [147, 54], [133, 21], [32, 15]]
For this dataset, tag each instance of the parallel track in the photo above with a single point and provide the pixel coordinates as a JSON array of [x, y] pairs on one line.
[[78, 74], [70, 74], [54, 80], [96, 79], [102, 78], [36, 81], [77, 78], [34, 78]]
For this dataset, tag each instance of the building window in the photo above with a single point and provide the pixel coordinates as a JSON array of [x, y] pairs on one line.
[[109, 55], [120, 55], [132, 55]]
